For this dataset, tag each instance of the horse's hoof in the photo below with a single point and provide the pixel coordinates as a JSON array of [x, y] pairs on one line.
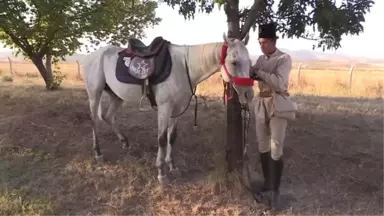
[[100, 159], [175, 172], [258, 197], [163, 180], [145, 109], [124, 144]]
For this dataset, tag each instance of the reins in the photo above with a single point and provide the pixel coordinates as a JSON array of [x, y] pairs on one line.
[[241, 81], [193, 90], [245, 114]]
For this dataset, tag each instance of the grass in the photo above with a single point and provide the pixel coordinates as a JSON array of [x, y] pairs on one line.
[[367, 82], [334, 152], [316, 78]]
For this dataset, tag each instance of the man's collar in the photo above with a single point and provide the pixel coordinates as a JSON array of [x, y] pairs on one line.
[[273, 54]]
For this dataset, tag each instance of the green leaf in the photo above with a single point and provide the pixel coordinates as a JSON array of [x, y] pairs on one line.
[[39, 27], [312, 19]]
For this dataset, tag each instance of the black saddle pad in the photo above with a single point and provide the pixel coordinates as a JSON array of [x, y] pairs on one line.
[[162, 66]]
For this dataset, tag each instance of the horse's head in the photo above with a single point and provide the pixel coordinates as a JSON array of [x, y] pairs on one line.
[[236, 66]]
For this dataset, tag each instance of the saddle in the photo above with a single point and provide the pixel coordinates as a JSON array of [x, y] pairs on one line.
[[140, 49], [144, 65]]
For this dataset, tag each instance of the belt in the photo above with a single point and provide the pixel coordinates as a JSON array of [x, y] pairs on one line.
[[267, 94]]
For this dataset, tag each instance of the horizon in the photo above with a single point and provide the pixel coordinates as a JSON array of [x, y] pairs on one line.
[[353, 46]]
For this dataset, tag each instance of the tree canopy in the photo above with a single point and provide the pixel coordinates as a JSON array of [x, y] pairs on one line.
[[38, 28], [309, 19]]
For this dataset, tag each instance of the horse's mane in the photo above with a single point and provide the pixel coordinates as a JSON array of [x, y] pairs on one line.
[[202, 57]]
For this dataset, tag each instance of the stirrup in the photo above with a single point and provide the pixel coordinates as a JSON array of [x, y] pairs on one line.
[[140, 105], [144, 94]]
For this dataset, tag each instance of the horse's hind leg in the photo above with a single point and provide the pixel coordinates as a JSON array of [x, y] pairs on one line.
[[109, 117], [94, 103]]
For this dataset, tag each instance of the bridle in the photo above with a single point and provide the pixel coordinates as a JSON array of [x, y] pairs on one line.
[[242, 81], [245, 112]]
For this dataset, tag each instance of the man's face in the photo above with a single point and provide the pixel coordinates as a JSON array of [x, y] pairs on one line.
[[267, 45]]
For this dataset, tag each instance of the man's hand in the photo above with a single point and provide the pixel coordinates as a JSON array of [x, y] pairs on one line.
[[254, 73], [255, 77]]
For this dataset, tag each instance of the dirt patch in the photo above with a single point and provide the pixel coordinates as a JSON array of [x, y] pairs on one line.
[[333, 155]]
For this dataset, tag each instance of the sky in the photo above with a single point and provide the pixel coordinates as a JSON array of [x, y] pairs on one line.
[[209, 28], [206, 28]]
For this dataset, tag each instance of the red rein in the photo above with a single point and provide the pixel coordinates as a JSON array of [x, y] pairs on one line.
[[242, 81]]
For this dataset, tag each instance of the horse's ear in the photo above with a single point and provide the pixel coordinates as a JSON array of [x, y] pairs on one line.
[[246, 39], [226, 39]]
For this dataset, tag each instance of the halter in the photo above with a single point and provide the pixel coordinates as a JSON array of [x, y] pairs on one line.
[[242, 81]]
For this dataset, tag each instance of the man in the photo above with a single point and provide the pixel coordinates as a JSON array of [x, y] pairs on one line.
[[272, 109]]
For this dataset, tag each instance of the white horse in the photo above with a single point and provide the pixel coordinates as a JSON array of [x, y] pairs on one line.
[[172, 96]]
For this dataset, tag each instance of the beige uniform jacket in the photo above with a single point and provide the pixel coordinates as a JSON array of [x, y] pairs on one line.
[[274, 72]]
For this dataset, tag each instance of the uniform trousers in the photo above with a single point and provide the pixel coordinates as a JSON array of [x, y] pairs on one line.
[[270, 136]]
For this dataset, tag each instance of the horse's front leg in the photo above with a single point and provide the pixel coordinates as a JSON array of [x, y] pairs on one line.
[[172, 135], [164, 114]]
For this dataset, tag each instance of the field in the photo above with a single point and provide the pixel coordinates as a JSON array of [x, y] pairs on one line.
[[333, 151]]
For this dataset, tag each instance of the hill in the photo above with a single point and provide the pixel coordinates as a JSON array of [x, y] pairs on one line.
[[69, 59], [307, 56], [304, 56]]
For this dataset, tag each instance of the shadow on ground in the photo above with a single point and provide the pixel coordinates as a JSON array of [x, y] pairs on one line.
[[333, 154]]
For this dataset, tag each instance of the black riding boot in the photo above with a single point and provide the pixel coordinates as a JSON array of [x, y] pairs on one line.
[[265, 166], [276, 173]]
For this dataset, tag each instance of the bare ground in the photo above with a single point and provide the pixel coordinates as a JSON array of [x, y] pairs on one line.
[[333, 154]]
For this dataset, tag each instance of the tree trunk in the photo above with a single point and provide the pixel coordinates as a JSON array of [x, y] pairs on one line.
[[234, 136], [48, 64], [47, 75]]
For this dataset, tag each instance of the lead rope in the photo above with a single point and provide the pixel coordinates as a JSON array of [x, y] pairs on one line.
[[245, 126]]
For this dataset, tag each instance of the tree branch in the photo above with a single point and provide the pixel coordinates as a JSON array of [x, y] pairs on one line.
[[18, 42], [231, 10], [46, 45], [252, 16]]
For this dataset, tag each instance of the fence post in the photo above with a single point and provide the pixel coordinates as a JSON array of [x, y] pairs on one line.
[[78, 70], [10, 67], [298, 74], [350, 77]]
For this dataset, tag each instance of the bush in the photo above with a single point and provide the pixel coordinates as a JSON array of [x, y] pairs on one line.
[[7, 79]]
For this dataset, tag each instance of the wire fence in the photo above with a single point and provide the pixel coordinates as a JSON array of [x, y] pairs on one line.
[[345, 73]]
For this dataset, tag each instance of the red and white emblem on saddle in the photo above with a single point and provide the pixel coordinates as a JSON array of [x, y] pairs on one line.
[[127, 61], [140, 68]]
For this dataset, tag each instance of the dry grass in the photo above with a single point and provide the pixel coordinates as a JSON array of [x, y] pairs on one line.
[[366, 82], [334, 156], [27, 70], [316, 78]]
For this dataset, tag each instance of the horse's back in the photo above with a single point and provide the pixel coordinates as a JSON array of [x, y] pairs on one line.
[[100, 69], [97, 55], [94, 63]]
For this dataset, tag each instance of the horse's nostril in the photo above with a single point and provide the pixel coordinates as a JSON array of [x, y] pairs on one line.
[[246, 95]]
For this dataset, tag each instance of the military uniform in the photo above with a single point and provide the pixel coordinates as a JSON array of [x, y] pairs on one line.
[[272, 109]]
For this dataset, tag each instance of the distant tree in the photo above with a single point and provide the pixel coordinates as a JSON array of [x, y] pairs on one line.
[[53, 29], [294, 18]]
